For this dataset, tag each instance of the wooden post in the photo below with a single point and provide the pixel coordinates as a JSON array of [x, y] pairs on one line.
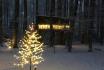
[[35, 68], [30, 63]]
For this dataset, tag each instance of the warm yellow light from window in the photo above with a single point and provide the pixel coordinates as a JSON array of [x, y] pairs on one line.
[[67, 26], [54, 26], [58, 27], [44, 26]]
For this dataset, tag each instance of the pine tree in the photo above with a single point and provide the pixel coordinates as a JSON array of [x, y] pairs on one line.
[[30, 50]]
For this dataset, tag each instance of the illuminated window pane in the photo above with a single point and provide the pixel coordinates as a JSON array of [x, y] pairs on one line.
[[44, 26]]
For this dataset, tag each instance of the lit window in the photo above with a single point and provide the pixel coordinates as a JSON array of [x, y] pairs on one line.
[[58, 27], [44, 26]]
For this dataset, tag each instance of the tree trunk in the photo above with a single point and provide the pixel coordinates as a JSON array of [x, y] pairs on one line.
[[16, 23], [73, 10], [0, 16], [1, 34], [25, 15], [91, 13]]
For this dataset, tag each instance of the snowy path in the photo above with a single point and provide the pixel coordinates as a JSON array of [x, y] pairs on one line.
[[62, 60]]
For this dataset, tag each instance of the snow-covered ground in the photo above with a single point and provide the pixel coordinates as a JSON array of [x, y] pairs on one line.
[[78, 59]]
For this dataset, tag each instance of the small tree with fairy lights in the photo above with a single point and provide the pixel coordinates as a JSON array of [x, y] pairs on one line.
[[30, 49], [10, 43]]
